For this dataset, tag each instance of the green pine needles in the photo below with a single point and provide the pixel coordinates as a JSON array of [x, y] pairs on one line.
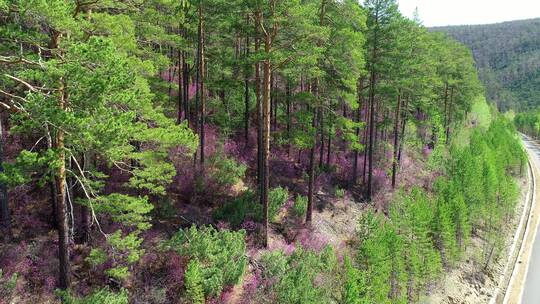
[[400, 255]]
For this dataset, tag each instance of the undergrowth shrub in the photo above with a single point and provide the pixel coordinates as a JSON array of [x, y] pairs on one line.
[[100, 296], [225, 171], [194, 283], [239, 209], [304, 277], [220, 253], [340, 193], [300, 205], [247, 207], [7, 285], [277, 197]]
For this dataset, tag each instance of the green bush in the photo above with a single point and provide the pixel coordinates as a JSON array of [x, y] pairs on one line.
[[340, 193], [97, 297], [353, 283], [246, 206], [300, 205], [226, 172], [7, 285], [220, 253], [276, 199], [193, 282], [304, 277]]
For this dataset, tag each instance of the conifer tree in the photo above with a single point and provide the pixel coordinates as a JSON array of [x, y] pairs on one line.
[[88, 94]]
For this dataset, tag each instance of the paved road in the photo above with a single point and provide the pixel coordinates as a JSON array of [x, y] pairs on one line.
[[531, 287]]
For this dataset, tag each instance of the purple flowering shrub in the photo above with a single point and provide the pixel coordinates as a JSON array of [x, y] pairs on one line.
[[31, 267], [160, 276]]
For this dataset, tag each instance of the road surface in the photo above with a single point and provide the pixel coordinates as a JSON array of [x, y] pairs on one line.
[[531, 289], [525, 282]]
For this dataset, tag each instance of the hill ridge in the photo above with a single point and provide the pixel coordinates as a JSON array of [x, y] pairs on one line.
[[507, 56]]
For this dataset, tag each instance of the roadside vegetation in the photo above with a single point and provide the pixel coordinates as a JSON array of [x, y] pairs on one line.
[[214, 151]]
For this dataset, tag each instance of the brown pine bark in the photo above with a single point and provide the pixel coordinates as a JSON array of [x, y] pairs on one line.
[[396, 138], [288, 97], [371, 134], [246, 93], [258, 17], [266, 134], [5, 215], [365, 153], [372, 123], [202, 94], [317, 114], [180, 80], [63, 229], [311, 173], [402, 137], [185, 84], [84, 230], [321, 131], [328, 150], [450, 107], [445, 104], [358, 118]]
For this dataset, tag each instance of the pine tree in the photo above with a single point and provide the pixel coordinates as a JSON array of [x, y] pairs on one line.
[[193, 282], [88, 94]]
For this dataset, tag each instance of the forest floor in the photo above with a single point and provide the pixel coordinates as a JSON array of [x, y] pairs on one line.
[[468, 283]]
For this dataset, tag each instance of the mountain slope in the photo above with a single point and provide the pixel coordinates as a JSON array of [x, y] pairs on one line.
[[508, 59]]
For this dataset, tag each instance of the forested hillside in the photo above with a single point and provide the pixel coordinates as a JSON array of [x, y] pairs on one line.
[[508, 59], [282, 151]]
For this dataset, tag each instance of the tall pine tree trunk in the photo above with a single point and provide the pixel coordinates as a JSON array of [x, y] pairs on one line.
[[317, 114], [321, 131], [246, 93], [450, 106], [445, 104], [372, 123], [288, 97], [180, 80], [89, 160], [201, 84], [52, 185], [5, 215], [311, 180], [371, 134], [329, 149], [396, 138], [259, 110], [266, 135], [185, 80], [402, 137], [63, 228], [358, 118], [366, 132]]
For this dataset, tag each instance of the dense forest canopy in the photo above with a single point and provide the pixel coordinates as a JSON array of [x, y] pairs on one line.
[[161, 151], [507, 56]]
